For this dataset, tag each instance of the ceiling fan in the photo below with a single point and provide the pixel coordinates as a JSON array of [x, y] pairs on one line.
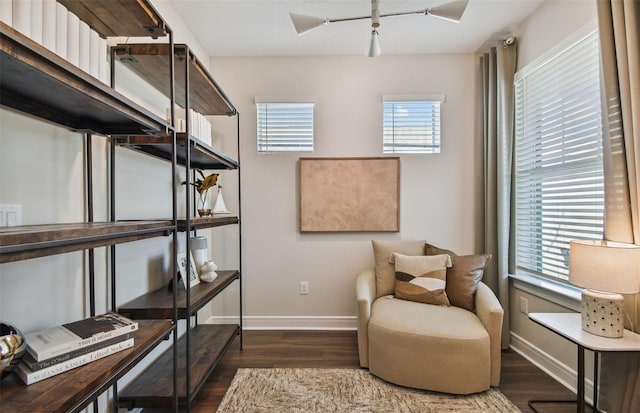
[[449, 11]]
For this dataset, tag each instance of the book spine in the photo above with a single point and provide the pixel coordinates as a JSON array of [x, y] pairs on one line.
[[30, 377], [49, 24], [6, 12], [21, 16], [35, 365], [61, 30], [58, 350]]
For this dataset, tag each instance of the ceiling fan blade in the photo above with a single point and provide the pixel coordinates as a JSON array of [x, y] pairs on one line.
[[304, 24], [449, 11]]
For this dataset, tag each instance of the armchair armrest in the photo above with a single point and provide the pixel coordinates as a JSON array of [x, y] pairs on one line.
[[365, 295], [490, 313]]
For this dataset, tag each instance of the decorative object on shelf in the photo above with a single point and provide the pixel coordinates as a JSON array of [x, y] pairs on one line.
[[199, 125], [199, 249], [202, 185], [12, 348], [180, 284], [606, 269], [208, 272], [65, 338], [220, 208], [192, 270], [29, 376]]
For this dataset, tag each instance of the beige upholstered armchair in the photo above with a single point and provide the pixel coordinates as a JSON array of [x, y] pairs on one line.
[[434, 347]]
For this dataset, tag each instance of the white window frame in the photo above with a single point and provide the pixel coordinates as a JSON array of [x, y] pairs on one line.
[[567, 171], [289, 135], [412, 124]]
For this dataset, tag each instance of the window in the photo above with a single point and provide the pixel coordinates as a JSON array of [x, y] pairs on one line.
[[284, 126], [411, 124], [559, 183]]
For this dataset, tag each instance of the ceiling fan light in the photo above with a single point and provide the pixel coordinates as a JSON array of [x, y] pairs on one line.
[[374, 45], [304, 24], [449, 11]]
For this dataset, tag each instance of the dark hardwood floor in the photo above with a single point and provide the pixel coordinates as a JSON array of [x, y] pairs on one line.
[[520, 380]]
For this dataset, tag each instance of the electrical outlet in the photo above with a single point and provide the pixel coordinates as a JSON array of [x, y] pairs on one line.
[[524, 305], [304, 287]]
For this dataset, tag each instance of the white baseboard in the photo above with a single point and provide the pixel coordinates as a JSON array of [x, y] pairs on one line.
[[289, 322], [550, 365]]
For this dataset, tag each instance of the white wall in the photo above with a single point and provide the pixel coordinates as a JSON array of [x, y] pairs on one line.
[[549, 25], [437, 191], [552, 22]]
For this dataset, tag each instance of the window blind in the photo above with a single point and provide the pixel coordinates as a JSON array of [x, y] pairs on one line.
[[411, 126], [559, 183], [285, 127]]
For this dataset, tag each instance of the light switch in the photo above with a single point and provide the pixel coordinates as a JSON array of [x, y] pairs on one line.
[[11, 219], [10, 215]]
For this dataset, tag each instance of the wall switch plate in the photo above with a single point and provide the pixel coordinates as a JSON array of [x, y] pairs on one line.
[[524, 305], [304, 287], [10, 215]]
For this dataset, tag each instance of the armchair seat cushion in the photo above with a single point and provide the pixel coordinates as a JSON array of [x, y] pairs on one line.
[[429, 346]]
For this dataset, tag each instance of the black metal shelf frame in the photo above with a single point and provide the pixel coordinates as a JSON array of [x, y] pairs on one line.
[[39, 83]]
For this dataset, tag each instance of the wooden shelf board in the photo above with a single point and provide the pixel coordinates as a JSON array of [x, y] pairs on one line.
[[151, 62], [203, 156], [158, 304], [154, 386], [202, 223], [134, 18], [31, 241], [75, 389], [36, 81]]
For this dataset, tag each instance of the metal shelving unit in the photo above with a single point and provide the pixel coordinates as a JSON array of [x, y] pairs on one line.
[[39, 83], [202, 347]]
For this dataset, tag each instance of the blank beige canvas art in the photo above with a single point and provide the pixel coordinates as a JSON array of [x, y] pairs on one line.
[[349, 194]]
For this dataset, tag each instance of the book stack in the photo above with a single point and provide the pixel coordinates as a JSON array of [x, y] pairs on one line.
[[199, 126], [53, 26], [62, 348]]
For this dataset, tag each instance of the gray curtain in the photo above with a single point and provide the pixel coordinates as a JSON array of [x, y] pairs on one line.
[[619, 26], [497, 102]]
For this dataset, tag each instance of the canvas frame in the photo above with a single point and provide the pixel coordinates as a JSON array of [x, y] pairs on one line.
[[349, 194], [182, 267]]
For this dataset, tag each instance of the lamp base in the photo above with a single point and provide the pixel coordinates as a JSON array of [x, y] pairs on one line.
[[602, 313]]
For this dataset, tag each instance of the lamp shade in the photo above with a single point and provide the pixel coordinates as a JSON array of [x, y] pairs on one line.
[[450, 11], [374, 45], [199, 249], [605, 266], [304, 24]]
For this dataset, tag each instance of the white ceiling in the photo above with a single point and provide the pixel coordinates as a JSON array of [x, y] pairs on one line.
[[263, 27]]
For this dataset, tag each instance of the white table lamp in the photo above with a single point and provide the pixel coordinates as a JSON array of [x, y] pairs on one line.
[[606, 269]]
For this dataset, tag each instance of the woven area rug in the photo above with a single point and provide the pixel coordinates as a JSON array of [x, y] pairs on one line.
[[344, 390]]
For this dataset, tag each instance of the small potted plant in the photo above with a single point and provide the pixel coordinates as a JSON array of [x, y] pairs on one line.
[[202, 185]]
